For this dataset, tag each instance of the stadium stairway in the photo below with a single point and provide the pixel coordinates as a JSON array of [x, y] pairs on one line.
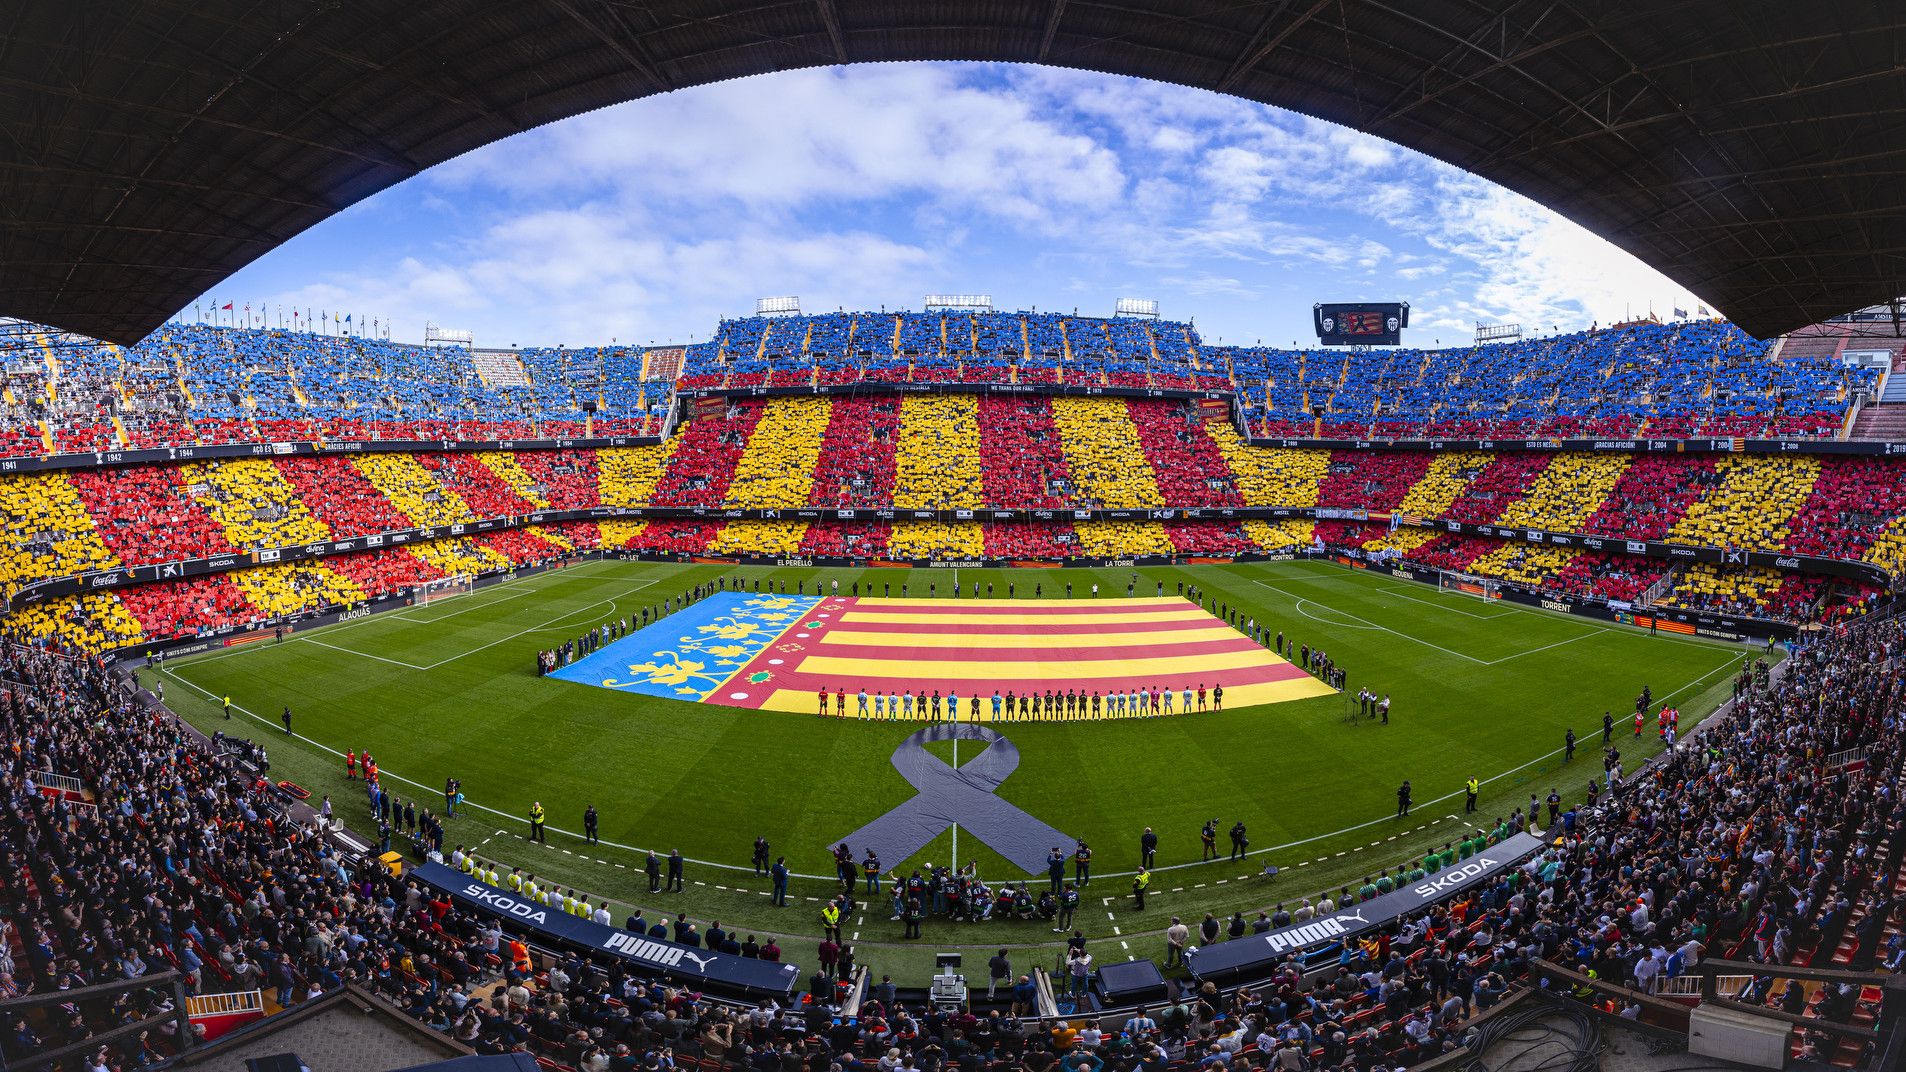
[[1855, 944], [499, 368], [1885, 419]]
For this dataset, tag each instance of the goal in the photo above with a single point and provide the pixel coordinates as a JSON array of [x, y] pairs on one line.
[[445, 587], [1469, 584]]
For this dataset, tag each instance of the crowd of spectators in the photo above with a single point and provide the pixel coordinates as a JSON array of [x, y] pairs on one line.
[[778, 467], [855, 466], [1021, 459], [192, 384], [1749, 506], [951, 347], [1667, 380], [937, 462], [1104, 454], [943, 451]]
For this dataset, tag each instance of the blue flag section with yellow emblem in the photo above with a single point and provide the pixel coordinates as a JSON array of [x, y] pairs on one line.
[[694, 653]]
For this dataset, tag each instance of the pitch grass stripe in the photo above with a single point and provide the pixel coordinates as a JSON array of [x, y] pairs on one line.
[[1153, 638], [1173, 666], [1187, 614]]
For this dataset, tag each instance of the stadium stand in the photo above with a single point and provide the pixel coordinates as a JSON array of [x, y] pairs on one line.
[[778, 468], [1837, 507], [192, 384], [188, 385], [937, 461], [1104, 453], [197, 385]]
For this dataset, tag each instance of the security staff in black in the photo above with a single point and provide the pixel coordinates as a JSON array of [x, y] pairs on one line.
[[1147, 848], [536, 821], [589, 825]]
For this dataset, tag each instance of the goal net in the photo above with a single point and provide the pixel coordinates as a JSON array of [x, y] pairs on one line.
[[444, 588], [1468, 584]]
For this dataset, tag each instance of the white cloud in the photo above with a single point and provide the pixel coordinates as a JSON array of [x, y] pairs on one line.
[[873, 185], [1534, 267], [774, 143]]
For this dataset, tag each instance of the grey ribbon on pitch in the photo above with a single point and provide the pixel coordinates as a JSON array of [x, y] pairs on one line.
[[963, 795]]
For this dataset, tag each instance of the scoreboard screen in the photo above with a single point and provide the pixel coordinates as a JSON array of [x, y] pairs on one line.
[[1361, 323]]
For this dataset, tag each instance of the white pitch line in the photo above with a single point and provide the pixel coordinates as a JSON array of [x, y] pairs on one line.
[[361, 654], [539, 628], [1545, 647], [1367, 623], [1401, 594]]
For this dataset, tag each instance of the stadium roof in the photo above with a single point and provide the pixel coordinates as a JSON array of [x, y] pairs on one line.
[[1755, 153]]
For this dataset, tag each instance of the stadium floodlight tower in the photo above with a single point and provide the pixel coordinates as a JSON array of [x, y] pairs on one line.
[[787, 305], [437, 336], [1145, 307], [1487, 334], [980, 302]]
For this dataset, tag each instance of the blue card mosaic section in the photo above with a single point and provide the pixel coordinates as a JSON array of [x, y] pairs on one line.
[[689, 654]]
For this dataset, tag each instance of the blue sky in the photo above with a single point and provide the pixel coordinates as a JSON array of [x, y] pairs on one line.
[[865, 186]]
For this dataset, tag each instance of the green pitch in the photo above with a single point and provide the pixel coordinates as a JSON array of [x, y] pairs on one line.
[[449, 690]]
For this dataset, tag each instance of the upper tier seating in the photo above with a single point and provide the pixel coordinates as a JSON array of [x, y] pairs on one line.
[[186, 385], [191, 384], [1699, 378]]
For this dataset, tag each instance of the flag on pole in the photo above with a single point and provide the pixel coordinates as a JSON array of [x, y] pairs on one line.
[[227, 307], [1680, 313]]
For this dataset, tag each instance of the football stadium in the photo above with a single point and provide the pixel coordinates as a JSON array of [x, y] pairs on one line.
[[955, 682]]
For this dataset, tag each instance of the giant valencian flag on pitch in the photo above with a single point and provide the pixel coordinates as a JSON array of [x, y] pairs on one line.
[[776, 652]]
